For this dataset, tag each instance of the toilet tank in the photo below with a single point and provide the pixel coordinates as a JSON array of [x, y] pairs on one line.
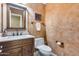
[[39, 42]]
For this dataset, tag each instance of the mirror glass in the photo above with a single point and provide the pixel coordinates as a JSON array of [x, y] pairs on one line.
[[16, 21]]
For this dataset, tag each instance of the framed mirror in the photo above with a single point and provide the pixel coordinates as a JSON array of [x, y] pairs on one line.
[[16, 17]]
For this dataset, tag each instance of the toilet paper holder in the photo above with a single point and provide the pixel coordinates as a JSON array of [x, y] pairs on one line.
[[61, 44]]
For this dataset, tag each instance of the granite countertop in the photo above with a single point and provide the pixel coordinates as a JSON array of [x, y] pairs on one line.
[[10, 38]]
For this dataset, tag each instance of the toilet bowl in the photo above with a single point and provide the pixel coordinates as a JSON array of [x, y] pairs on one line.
[[45, 50], [42, 48]]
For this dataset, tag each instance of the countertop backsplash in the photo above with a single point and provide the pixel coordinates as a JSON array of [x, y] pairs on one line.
[[14, 33]]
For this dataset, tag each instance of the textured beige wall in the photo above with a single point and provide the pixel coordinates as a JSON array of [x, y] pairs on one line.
[[62, 24], [36, 8]]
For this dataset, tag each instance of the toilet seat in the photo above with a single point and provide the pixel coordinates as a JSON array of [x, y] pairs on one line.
[[45, 48]]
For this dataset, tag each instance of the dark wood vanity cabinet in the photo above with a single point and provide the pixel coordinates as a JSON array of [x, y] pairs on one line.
[[24, 47], [11, 52], [28, 49]]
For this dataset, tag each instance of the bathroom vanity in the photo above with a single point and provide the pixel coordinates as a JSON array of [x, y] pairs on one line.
[[13, 20], [17, 46]]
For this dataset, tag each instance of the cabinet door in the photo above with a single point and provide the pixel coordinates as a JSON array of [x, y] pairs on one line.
[[28, 50], [11, 52]]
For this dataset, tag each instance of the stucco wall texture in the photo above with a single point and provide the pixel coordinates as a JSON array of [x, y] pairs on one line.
[[62, 24]]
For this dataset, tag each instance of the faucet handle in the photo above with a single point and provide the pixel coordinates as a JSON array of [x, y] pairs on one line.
[[21, 33], [13, 34], [17, 33]]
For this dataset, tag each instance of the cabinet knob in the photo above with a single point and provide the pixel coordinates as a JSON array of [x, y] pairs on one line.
[[0, 50]]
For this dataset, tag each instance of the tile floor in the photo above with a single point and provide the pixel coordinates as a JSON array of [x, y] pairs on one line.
[[38, 54]]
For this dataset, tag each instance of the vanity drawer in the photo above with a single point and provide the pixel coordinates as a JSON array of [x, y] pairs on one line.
[[10, 44]]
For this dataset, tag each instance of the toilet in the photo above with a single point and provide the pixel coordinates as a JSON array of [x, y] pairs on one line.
[[43, 49]]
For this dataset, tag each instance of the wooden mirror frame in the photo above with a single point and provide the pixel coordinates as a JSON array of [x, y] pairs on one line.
[[9, 5]]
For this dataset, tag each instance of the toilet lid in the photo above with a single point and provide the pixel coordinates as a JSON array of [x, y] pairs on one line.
[[45, 48]]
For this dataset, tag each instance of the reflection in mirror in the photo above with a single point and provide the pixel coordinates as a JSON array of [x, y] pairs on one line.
[[16, 20]]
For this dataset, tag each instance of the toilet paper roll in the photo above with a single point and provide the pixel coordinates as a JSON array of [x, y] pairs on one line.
[[59, 43]]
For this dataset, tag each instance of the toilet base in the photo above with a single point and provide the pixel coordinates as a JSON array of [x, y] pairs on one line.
[[38, 53], [41, 54]]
